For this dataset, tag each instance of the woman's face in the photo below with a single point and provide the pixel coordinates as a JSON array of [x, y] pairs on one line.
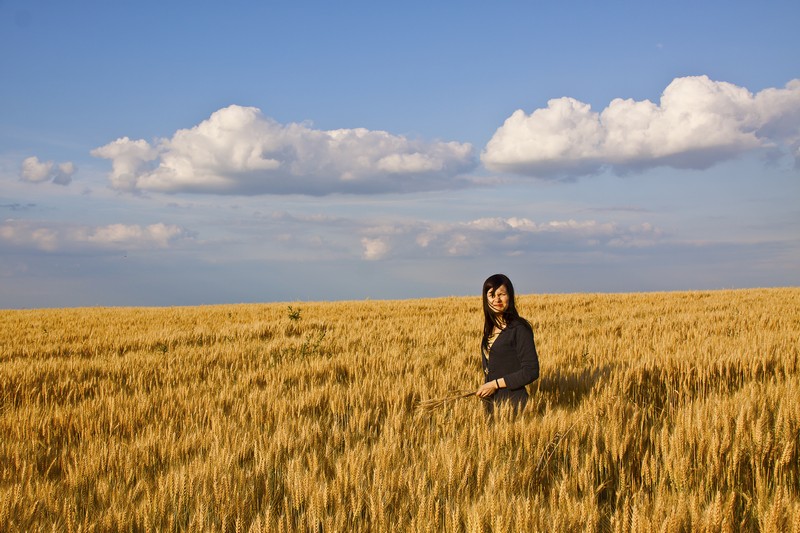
[[498, 299]]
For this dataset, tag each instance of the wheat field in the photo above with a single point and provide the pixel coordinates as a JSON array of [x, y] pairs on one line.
[[657, 412]]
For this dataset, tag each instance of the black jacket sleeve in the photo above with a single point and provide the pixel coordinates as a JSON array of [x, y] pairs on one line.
[[525, 348]]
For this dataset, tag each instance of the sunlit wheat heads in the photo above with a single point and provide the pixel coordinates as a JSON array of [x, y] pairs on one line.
[[654, 412]]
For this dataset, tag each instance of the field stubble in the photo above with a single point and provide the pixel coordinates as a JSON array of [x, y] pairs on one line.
[[654, 412]]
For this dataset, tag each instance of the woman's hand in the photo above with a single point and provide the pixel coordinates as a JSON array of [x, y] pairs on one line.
[[487, 389]]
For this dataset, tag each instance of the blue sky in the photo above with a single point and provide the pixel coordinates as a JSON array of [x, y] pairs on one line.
[[182, 153]]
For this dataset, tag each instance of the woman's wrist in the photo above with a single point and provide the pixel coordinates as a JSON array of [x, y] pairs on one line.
[[497, 384]]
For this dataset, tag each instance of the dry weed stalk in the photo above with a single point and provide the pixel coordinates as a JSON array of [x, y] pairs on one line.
[[450, 397]]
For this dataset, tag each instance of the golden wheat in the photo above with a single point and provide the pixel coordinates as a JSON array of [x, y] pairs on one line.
[[663, 411]]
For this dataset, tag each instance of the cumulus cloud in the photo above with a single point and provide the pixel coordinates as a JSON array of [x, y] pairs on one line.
[[35, 171], [51, 237], [129, 160], [238, 150], [697, 123]]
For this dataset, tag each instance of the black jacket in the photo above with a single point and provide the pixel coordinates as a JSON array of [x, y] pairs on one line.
[[513, 356]]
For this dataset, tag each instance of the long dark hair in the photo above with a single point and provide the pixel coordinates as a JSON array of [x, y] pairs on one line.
[[509, 315]]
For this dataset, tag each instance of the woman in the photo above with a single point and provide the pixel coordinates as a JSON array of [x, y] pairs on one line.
[[508, 351]]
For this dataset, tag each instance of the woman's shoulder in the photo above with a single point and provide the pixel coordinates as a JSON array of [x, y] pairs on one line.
[[520, 322]]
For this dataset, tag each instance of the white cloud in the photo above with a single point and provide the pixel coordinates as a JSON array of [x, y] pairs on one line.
[[50, 237], [35, 171], [483, 237], [697, 123], [237, 150], [122, 235], [129, 160], [516, 236], [374, 249]]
